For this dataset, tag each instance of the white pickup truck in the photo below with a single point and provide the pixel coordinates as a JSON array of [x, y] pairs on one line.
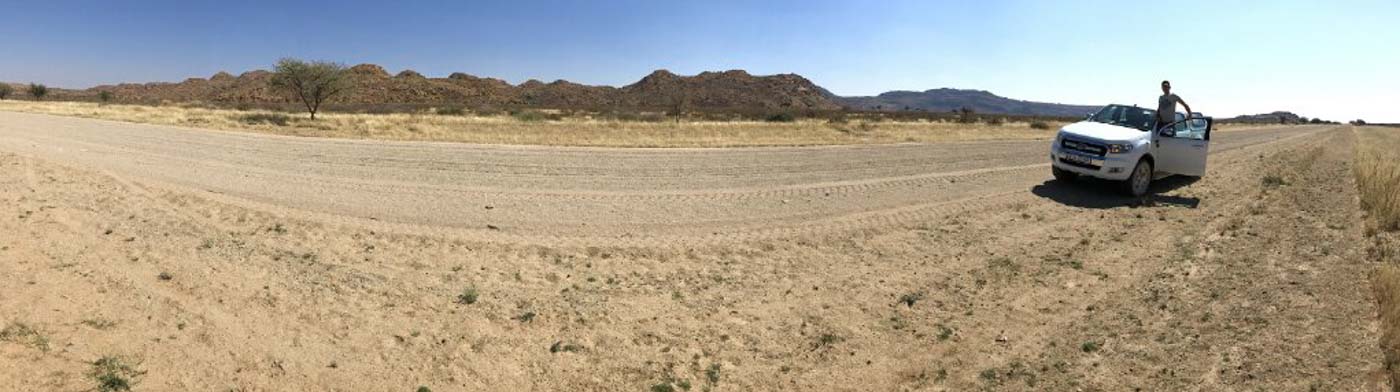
[[1118, 143]]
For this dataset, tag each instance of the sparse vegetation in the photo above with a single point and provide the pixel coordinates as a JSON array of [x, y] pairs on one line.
[[1274, 181], [105, 96], [1041, 125], [277, 119], [312, 83], [910, 298], [966, 115], [6, 90], [1377, 170], [99, 323], [113, 374], [607, 129], [781, 118], [451, 111], [1376, 167], [561, 347], [530, 116], [1089, 346], [827, 340], [38, 91], [944, 333], [468, 296], [25, 334]]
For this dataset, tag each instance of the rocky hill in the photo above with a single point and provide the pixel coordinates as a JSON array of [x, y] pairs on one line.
[[730, 90], [1267, 118], [947, 99]]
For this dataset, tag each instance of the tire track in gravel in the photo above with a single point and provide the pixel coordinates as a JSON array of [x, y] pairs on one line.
[[553, 195]]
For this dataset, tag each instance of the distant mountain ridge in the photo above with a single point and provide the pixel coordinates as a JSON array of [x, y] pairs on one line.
[[734, 91], [1280, 117], [371, 84], [948, 99]]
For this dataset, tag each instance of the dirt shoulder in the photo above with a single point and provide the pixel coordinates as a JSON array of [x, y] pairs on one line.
[[1229, 282]]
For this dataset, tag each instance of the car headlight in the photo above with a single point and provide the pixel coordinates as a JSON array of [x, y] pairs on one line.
[[1119, 148]]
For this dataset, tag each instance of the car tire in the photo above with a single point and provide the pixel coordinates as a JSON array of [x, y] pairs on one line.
[[1140, 180], [1063, 175]]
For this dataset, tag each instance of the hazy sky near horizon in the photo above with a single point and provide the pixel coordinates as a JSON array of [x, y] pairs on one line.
[[1334, 60]]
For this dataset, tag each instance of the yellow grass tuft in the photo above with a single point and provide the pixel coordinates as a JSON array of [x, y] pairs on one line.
[[568, 131], [1377, 169]]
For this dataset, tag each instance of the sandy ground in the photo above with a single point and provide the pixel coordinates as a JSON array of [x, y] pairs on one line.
[[218, 261]]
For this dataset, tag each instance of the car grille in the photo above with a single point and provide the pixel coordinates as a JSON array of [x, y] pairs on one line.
[[1083, 146]]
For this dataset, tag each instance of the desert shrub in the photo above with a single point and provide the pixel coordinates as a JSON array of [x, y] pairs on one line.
[[468, 296], [38, 91], [114, 374], [243, 106], [5, 90], [451, 111], [530, 115], [105, 96], [1040, 125], [265, 118], [780, 117], [996, 121], [966, 115]]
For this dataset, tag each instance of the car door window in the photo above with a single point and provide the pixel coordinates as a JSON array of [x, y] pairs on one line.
[[1195, 129]]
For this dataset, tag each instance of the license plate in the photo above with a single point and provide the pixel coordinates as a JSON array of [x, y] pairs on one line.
[[1077, 159]]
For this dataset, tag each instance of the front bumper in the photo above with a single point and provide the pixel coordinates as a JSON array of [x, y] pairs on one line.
[[1109, 167]]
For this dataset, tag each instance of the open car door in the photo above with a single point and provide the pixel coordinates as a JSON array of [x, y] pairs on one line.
[[1182, 146]]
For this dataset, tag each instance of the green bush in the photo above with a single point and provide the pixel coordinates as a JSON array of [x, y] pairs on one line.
[[265, 118], [38, 91], [780, 117], [535, 116], [105, 96], [451, 111], [5, 90], [966, 115]]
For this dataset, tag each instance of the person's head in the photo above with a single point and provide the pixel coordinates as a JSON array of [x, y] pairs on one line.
[[1166, 87]]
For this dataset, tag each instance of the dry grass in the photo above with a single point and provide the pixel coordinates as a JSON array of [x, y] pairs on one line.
[[1377, 170], [584, 131], [1378, 175]]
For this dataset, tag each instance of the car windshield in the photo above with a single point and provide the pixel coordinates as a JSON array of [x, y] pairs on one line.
[[1126, 116]]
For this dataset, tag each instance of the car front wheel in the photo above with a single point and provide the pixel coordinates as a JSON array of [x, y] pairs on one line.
[[1136, 185]]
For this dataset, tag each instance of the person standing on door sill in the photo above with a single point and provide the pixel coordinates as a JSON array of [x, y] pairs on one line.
[[1166, 106]]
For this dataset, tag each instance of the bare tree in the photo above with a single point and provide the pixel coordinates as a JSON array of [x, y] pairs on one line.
[[679, 103], [38, 91], [5, 90], [312, 82]]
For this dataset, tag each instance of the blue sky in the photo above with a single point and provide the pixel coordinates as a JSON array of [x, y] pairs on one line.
[[1335, 60]]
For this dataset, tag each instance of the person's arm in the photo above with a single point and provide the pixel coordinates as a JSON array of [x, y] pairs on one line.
[[1183, 103]]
